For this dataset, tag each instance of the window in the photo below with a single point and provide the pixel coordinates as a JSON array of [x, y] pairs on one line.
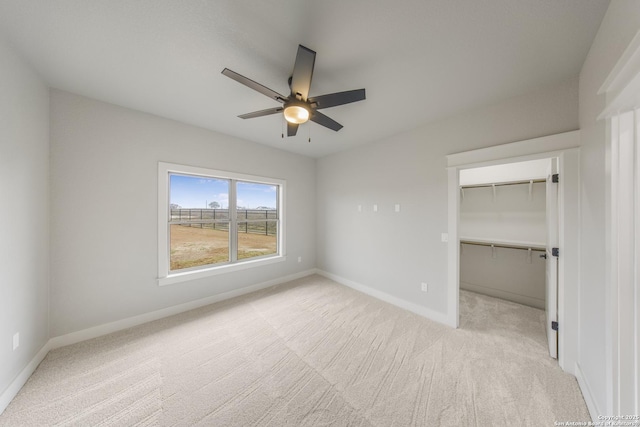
[[212, 222]]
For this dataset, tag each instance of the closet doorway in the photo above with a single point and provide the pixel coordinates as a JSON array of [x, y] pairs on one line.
[[562, 151], [508, 229]]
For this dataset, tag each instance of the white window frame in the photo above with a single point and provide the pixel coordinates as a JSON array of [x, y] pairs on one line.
[[165, 275]]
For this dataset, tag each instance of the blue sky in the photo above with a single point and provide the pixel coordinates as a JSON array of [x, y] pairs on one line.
[[198, 192]]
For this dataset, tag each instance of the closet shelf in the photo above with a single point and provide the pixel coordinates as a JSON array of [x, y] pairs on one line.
[[499, 184], [515, 244]]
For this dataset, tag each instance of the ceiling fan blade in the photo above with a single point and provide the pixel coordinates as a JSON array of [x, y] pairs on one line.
[[303, 72], [254, 85], [292, 129], [261, 113], [325, 121], [338, 98]]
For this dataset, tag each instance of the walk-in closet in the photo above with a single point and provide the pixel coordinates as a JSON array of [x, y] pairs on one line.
[[503, 231]]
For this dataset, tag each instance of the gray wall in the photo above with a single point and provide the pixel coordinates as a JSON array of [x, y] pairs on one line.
[[394, 252], [104, 242], [619, 26], [511, 275], [513, 216], [24, 217]]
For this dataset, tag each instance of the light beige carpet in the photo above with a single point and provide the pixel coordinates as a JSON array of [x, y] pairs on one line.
[[308, 353]]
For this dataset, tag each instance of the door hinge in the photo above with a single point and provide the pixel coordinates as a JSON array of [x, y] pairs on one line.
[[555, 178], [554, 325], [555, 252]]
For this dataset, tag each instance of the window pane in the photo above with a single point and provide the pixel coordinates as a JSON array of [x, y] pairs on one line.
[[255, 199], [198, 198], [257, 239], [195, 195], [257, 215], [196, 245]]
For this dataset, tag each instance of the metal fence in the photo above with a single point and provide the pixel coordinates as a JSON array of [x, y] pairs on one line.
[[257, 221]]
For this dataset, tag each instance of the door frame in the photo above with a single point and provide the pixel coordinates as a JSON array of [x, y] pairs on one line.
[[551, 262], [565, 147], [621, 90]]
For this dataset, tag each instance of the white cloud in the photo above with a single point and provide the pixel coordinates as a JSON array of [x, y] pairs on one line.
[[223, 199]]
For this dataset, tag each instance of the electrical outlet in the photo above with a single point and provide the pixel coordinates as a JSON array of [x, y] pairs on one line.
[[397, 207], [299, 259], [424, 287], [359, 208], [375, 208], [444, 237], [16, 340]]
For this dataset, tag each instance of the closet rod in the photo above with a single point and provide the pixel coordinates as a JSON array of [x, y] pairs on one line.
[[504, 183], [499, 245]]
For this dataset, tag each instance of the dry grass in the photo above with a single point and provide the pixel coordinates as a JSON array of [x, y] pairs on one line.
[[192, 247]]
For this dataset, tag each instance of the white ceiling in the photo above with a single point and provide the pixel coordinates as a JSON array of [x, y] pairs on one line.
[[419, 60]]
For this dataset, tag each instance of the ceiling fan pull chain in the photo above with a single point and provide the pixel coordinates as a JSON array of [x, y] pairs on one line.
[[309, 126], [282, 125]]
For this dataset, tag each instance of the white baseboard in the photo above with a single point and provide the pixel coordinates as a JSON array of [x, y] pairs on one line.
[[60, 341], [10, 392], [118, 325], [383, 296], [587, 394]]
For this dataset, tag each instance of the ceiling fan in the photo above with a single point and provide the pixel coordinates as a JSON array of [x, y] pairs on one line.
[[298, 107]]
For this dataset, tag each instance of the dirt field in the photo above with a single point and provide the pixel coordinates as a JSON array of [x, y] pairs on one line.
[[191, 247]]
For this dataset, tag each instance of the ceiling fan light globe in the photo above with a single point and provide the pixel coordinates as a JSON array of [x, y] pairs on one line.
[[296, 114]]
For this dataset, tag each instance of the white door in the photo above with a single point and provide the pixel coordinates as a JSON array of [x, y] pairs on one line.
[[551, 292]]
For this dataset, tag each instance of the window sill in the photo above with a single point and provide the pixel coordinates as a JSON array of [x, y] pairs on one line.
[[214, 271]]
